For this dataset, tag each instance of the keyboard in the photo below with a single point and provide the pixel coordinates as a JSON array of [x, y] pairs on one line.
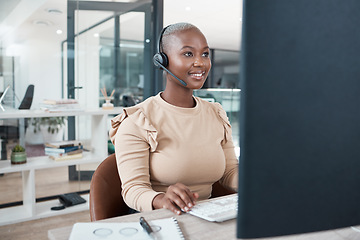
[[217, 209]]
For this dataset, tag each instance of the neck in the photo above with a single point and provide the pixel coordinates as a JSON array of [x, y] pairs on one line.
[[179, 98]]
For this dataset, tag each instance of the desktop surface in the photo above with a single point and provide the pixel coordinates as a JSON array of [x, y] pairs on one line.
[[194, 228]]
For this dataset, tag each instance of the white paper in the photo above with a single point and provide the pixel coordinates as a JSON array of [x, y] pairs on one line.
[[166, 228]]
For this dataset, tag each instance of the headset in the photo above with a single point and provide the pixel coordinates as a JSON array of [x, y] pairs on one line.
[[160, 59]]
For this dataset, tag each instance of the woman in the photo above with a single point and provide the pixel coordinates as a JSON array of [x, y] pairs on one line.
[[172, 147]]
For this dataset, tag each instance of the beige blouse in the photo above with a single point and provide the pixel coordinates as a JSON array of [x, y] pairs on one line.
[[158, 144]]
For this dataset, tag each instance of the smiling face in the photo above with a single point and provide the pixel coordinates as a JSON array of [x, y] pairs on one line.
[[189, 57]]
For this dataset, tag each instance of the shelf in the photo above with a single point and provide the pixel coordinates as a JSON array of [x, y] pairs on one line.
[[12, 215], [11, 114], [34, 163], [42, 209], [30, 209]]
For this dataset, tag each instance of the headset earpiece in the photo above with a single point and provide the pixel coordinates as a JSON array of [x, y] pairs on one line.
[[160, 59]]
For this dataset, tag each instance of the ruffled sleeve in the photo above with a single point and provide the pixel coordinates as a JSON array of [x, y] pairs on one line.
[[134, 138], [230, 177], [137, 116], [226, 123]]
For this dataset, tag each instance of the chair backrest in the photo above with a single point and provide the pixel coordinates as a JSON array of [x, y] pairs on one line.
[[219, 190], [105, 191], [28, 98]]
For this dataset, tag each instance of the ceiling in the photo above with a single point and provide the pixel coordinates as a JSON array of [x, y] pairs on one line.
[[220, 23], [7, 6]]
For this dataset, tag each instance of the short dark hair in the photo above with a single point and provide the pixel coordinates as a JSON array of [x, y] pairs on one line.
[[174, 28]]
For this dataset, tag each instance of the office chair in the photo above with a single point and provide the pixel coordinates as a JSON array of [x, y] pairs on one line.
[[12, 132], [28, 98], [105, 191]]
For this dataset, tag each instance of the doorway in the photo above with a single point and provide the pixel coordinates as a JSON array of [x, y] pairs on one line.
[[108, 51]]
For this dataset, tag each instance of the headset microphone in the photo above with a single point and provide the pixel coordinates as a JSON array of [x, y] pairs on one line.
[[160, 59], [158, 64]]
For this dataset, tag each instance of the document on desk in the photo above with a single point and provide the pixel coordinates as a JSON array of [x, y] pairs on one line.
[[164, 229]]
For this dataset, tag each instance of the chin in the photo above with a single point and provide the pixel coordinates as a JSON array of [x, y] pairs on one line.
[[196, 86]]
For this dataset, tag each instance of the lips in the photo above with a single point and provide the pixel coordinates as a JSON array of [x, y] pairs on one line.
[[197, 75]]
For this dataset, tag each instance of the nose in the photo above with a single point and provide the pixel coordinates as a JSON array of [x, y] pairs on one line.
[[199, 62]]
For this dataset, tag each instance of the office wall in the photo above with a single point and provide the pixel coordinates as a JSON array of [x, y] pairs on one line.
[[35, 48], [40, 65], [36, 61]]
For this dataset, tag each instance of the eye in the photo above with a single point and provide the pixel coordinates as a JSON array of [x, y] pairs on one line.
[[188, 54], [206, 54]]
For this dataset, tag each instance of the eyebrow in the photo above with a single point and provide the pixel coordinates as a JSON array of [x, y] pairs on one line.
[[207, 47]]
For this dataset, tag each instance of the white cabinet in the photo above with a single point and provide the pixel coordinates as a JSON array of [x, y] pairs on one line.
[[30, 209]]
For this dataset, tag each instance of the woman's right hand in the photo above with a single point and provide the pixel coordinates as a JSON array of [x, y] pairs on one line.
[[177, 197]]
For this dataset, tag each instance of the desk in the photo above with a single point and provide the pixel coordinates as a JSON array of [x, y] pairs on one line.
[[195, 228]]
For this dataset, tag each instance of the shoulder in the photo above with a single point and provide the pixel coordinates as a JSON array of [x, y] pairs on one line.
[[134, 118], [215, 108]]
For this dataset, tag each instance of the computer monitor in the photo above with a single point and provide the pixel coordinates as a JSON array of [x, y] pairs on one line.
[[299, 167]]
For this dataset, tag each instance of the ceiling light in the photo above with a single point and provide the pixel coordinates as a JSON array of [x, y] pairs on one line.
[[96, 35], [44, 23], [188, 9], [54, 11], [59, 31]]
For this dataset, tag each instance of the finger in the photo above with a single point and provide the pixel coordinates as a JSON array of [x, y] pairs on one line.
[[192, 195], [186, 198], [182, 204], [174, 194], [172, 207]]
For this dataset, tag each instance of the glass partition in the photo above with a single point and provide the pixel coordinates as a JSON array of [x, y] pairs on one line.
[[7, 77], [225, 69], [127, 79], [107, 52]]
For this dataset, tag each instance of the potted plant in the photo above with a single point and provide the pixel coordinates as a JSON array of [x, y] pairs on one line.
[[18, 155], [51, 128]]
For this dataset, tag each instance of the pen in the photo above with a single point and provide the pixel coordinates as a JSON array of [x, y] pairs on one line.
[[145, 225]]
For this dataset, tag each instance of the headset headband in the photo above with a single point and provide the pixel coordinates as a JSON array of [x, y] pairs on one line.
[[160, 39]]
